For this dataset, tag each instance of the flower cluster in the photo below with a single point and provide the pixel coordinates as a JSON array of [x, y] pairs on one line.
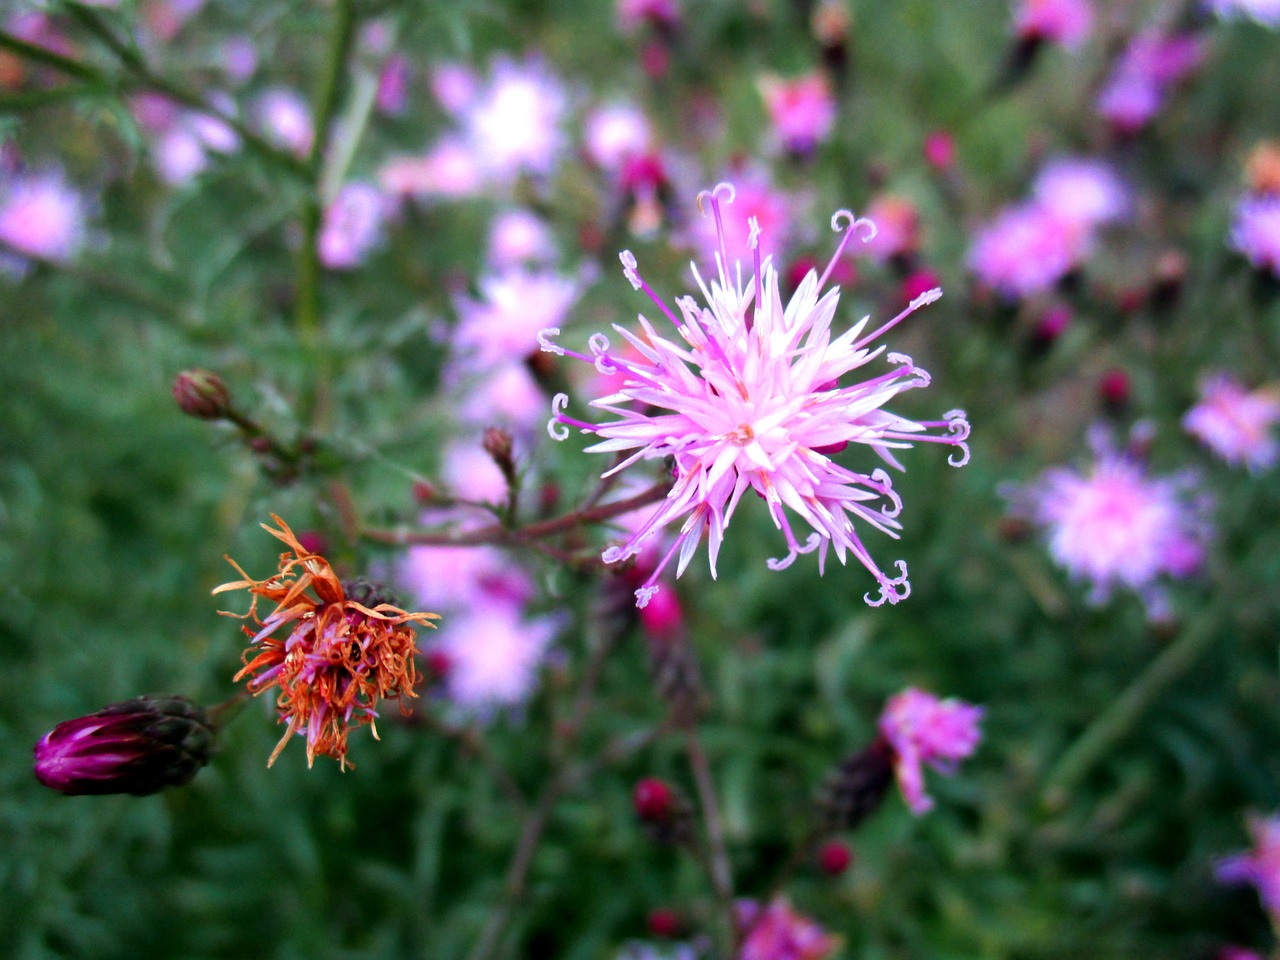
[[748, 396], [345, 649]]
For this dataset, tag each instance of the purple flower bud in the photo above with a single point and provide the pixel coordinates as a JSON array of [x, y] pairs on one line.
[[138, 746]]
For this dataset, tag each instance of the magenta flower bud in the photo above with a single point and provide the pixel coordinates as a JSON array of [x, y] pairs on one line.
[[202, 394], [138, 746]]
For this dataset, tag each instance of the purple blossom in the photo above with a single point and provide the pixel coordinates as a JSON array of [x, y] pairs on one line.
[[515, 305], [494, 655], [352, 225], [1265, 12], [1256, 231], [1082, 191], [1259, 866], [1151, 65], [1065, 22], [616, 132], [1236, 424], [926, 731], [1026, 250], [41, 214], [747, 396], [802, 110], [514, 124], [518, 237], [777, 932], [286, 119], [1113, 525]]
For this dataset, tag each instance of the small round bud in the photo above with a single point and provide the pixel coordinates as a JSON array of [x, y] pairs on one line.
[[665, 922], [500, 447], [940, 150], [834, 858], [1114, 388], [202, 394], [437, 663], [313, 542], [424, 492], [654, 800]]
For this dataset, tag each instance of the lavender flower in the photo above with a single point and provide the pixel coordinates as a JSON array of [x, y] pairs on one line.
[[352, 225], [1256, 231], [1065, 22], [41, 215], [1265, 12], [802, 110], [1259, 866], [751, 400], [1236, 424], [775, 931], [924, 730]]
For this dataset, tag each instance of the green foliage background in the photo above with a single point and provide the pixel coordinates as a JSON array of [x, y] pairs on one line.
[[116, 510]]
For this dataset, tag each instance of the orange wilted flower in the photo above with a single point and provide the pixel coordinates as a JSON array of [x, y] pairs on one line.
[[346, 648]]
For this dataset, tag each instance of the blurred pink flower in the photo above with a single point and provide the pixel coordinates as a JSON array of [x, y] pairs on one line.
[[392, 95], [633, 14], [352, 225], [286, 119], [514, 305], [494, 655], [1265, 12], [1259, 866], [520, 236], [513, 124], [504, 395], [616, 132], [802, 110], [1082, 191], [455, 86], [751, 400], [1236, 424], [448, 170], [1238, 953], [897, 228], [922, 730], [41, 214], [239, 59], [1256, 231], [777, 932], [1150, 66], [1026, 249], [1065, 22], [940, 150], [1115, 526]]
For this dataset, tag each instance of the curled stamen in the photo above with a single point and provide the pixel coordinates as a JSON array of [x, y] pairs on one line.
[[892, 589], [923, 379], [890, 510], [753, 236], [613, 554], [810, 545], [847, 225], [629, 268], [557, 430], [715, 192], [959, 428], [598, 343], [926, 298], [547, 344]]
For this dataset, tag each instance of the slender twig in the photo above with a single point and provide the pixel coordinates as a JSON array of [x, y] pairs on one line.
[[1126, 710], [30, 51], [718, 866], [519, 536]]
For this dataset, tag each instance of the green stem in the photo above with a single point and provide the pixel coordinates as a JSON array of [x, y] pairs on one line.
[[1124, 713], [29, 51]]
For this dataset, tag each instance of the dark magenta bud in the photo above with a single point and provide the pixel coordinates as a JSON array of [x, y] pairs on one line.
[[138, 746], [834, 858], [202, 394], [654, 800]]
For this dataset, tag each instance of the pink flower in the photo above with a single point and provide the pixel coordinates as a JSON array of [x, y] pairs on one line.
[[633, 14], [448, 170], [42, 215], [1150, 66], [494, 656], [802, 110], [1115, 526], [1236, 424], [286, 120], [520, 236], [777, 932], [515, 305], [1259, 866], [1256, 231], [1082, 192], [615, 133], [352, 225], [1026, 250], [1265, 12], [1066, 22], [897, 228], [393, 85], [922, 730], [747, 396], [513, 125]]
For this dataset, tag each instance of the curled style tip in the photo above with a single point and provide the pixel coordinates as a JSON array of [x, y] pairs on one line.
[[557, 430], [722, 191], [892, 589], [546, 344], [644, 595], [629, 268]]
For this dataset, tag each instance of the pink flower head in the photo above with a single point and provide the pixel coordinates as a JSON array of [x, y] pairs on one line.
[[922, 730], [286, 120], [41, 214], [615, 133], [449, 170], [1236, 424], [520, 236], [777, 932], [747, 395], [515, 306], [633, 14], [392, 95], [1027, 249], [1082, 192], [352, 225], [1259, 866], [802, 110], [1115, 526], [897, 227], [513, 125], [494, 656], [1150, 66], [1065, 22], [1256, 231], [1265, 12]]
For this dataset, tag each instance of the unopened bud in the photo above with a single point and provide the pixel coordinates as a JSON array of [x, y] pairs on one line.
[[940, 150], [665, 922], [834, 858], [500, 447], [1114, 389], [654, 800], [856, 788], [202, 394], [138, 746]]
